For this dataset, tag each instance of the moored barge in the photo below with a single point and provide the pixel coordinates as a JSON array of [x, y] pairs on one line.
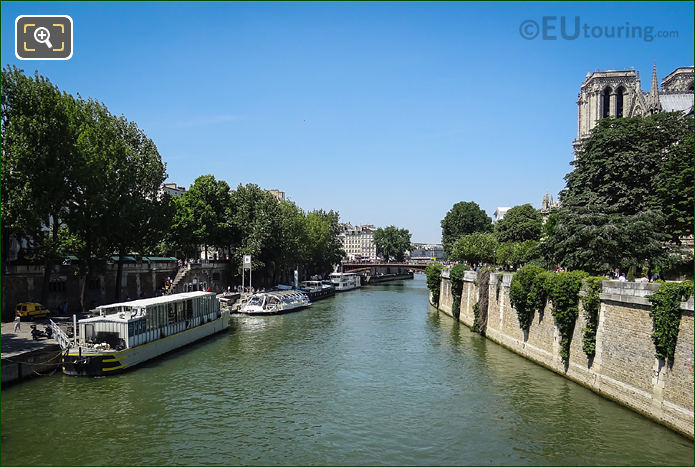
[[126, 334]]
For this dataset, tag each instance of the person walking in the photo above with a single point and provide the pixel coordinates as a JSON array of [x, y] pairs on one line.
[[17, 324]]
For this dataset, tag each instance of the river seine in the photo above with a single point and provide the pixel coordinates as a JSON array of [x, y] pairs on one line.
[[373, 376]]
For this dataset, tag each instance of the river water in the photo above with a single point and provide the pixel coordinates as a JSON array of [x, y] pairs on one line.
[[373, 376]]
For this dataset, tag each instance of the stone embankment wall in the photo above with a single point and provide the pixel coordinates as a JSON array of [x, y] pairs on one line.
[[624, 368], [24, 283], [27, 365]]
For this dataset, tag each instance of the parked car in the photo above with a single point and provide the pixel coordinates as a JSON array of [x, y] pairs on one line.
[[31, 310]]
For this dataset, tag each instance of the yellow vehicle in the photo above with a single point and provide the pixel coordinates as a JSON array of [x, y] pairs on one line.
[[31, 310]]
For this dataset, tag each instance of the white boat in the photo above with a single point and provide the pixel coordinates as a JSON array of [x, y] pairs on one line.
[[126, 334], [274, 303], [345, 281]]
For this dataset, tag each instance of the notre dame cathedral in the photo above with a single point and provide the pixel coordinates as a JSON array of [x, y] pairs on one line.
[[618, 93], [615, 94]]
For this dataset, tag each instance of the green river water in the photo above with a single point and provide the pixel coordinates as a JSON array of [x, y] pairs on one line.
[[372, 376]]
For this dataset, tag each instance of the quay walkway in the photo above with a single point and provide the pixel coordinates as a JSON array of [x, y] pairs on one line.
[[23, 357]]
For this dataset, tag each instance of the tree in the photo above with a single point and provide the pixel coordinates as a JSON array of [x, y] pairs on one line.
[[519, 224], [180, 236], [513, 254], [294, 239], [392, 242], [38, 137], [74, 177], [324, 247], [464, 218], [673, 185], [208, 202], [256, 220], [597, 238], [475, 249], [98, 146], [137, 214], [619, 205]]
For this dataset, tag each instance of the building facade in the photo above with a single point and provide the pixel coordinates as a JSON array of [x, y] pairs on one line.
[[358, 241], [172, 190], [618, 93], [280, 195], [427, 251], [499, 213]]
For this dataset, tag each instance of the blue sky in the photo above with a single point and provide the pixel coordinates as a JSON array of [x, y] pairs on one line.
[[386, 112]]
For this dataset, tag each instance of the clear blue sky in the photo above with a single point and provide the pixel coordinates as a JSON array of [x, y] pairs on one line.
[[386, 112]]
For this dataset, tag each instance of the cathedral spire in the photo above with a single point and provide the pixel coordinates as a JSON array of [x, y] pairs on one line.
[[655, 82], [653, 102]]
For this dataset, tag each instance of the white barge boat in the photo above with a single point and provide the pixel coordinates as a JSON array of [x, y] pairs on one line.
[[344, 281], [274, 303], [126, 334]]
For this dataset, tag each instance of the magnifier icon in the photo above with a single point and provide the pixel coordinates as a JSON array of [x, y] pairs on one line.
[[43, 36]]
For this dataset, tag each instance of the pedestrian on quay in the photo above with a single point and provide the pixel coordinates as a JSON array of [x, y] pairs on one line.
[[17, 324]]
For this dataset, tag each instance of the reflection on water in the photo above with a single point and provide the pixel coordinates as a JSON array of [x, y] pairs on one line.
[[373, 376]]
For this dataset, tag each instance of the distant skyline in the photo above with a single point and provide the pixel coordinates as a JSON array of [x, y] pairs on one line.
[[386, 112]]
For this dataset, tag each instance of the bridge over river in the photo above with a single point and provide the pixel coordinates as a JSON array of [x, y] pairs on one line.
[[374, 272]]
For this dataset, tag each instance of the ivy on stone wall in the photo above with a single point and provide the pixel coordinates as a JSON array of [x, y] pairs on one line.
[[540, 287], [476, 317], [456, 278], [564, 295], [434, 281], [500, 278], [591, 304], [523, 296], [533, 286], [666, 314], [480, 309]]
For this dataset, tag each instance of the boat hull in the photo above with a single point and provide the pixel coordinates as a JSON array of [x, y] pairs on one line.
[[320, 294], [102, 363], [269, 313]]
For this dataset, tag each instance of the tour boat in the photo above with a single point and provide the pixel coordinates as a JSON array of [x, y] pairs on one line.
[[344, 281], [126, 334], [274, 303], [317, 290]]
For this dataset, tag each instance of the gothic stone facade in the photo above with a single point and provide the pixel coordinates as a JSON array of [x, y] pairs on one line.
[[619, 94]]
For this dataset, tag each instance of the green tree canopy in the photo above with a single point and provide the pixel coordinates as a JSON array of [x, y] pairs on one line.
[[209, 202], [324, 247], [256, 218], [392, 242], [138, 215], [519, 224], [475, 249], [513, 254], [619, 205], [464, 218], [39, 133]]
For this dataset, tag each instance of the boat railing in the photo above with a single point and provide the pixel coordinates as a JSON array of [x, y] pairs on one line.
[[58, 334]]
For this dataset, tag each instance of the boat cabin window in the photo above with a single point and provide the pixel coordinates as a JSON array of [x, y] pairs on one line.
[[171, 313], [88, 332], [136, 327]]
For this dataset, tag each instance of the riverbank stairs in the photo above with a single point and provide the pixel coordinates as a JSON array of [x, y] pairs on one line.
[[180, 276]]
